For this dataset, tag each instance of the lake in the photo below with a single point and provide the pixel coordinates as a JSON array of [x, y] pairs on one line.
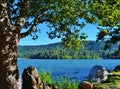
[[75, 69]]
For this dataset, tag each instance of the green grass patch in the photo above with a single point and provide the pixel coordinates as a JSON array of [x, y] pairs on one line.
[[111, 83], [66, 83], [46, 77], [62, 83]]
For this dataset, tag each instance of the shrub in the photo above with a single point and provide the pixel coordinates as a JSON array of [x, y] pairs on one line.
[[46, 77], [66, 83], [61, 83]]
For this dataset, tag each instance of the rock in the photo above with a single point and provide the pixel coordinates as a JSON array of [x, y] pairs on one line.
[[31, 79], [99, 73], [117, 68], [85, 85]]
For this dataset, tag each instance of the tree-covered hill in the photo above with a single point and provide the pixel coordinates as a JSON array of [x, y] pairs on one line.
[[92, 50]]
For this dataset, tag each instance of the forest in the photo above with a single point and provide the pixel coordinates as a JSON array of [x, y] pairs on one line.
[[91, 50]]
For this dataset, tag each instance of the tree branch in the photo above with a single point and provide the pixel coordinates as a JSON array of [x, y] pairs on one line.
[[29, 31], [38, 19], [24, 7]]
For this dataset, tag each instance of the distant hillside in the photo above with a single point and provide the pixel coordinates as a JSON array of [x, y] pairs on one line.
[[92, 50], [115, 55]]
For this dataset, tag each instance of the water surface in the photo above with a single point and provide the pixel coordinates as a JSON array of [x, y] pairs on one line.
[[75, 69]]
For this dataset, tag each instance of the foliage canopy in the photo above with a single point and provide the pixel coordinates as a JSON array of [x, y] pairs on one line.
[[63, 19], [61, 16], [105, 14]]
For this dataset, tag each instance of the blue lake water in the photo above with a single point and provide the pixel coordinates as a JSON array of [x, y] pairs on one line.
[[75, 69]]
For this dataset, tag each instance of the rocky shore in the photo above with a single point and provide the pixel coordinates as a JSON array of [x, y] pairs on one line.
[[31, 80], [99, 78], [98, 73]]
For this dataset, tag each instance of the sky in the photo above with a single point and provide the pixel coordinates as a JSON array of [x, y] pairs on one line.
[[43, 39]]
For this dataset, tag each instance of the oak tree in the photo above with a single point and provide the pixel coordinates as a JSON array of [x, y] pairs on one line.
[[20, 18]]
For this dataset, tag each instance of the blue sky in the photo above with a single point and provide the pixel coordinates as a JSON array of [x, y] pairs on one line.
[[43, 39]]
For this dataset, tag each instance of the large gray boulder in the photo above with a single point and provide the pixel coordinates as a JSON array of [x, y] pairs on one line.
[[99, 73]]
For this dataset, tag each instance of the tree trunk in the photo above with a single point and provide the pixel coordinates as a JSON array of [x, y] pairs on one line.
[[9, 74]]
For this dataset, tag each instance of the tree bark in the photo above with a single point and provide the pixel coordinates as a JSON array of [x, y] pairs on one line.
[[9, 37], [9, 74]]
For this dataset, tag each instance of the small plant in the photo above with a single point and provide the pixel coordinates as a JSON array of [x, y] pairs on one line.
[[66, 83], [61, 83], [46, 77]]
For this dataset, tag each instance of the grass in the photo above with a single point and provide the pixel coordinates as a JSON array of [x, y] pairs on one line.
[[65, 82], [112, 82], [61, 83]]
